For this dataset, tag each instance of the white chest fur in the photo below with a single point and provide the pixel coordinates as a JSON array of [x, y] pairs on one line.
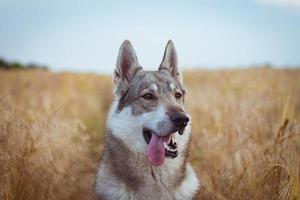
[[158, 187]]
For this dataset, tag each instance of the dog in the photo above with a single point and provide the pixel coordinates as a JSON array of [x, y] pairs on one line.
[[148, 133]]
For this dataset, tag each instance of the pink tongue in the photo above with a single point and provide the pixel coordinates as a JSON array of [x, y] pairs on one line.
[[156, 150]]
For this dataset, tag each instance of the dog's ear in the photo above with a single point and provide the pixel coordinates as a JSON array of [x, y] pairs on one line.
[[127, 63], [169, 62]]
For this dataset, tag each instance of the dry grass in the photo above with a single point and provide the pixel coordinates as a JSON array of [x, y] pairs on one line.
[[246, 133]]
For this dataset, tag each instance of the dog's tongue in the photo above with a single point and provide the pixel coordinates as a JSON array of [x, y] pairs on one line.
[[156, 149]]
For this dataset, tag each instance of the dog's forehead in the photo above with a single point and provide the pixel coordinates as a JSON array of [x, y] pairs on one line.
[[155, 80]]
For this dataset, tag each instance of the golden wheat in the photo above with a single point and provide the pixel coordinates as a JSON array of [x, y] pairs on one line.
[[245, 142]]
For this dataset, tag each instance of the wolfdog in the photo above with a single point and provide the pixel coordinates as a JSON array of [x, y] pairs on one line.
[[148, 133]]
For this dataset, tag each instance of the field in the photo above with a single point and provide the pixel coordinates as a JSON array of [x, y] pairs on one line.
[[245, 142]]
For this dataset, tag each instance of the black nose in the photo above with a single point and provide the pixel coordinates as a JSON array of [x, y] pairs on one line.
[[180, 119]]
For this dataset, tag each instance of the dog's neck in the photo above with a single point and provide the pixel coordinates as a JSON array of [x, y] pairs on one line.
[[134, 170]]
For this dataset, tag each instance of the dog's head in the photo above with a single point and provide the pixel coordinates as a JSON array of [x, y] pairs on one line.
[[148, 114]]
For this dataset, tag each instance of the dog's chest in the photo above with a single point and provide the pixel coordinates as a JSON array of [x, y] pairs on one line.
[[165, 182]]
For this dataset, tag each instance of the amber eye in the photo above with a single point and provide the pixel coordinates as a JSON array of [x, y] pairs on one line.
[[148, 96], [178, 95]]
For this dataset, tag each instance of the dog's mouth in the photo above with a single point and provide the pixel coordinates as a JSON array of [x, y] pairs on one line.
[[159, 147]]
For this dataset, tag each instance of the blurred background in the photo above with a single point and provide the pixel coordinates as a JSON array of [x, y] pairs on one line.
[[77, 36], [241, 65]]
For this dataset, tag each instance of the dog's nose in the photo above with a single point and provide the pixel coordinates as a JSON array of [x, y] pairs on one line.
[[180, 119]]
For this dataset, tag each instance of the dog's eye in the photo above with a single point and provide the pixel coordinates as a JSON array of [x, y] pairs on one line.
[[178, 95], [148, 96]]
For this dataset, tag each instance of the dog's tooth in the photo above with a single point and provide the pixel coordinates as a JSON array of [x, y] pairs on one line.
[[165, 145]]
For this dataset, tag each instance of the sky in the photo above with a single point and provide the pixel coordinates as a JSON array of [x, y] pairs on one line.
[[85, 36]]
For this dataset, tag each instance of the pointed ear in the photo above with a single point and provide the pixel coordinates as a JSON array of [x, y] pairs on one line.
[[169, 62], [127, 63]]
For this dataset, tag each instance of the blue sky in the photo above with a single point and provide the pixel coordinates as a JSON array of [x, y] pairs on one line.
[[86, 35]]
